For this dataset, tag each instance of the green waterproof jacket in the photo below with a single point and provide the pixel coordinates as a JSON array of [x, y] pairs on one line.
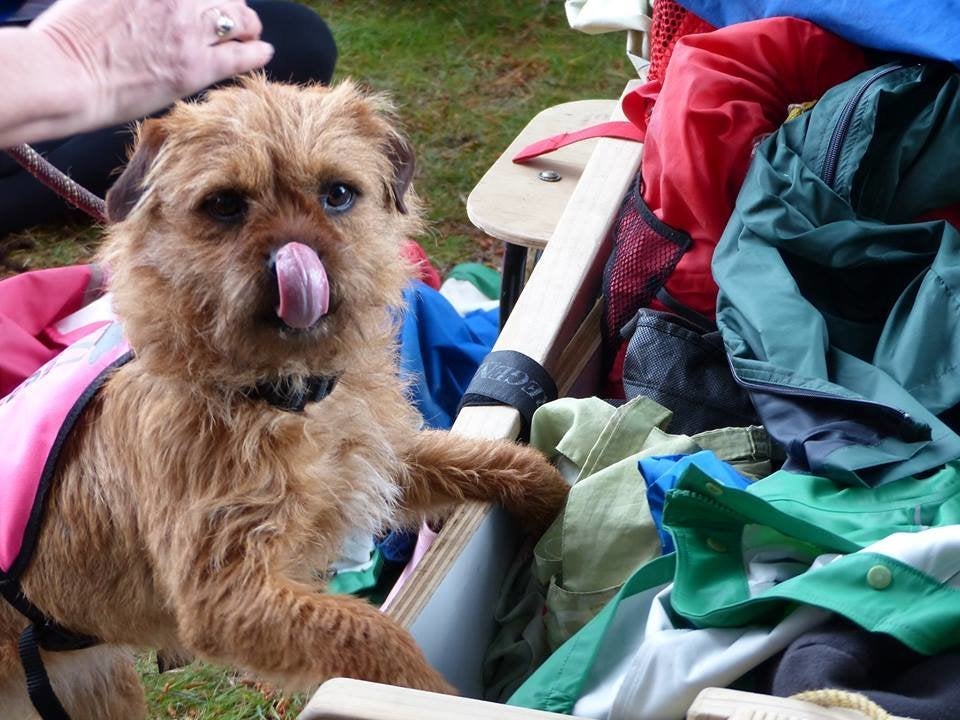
[[839, 303]]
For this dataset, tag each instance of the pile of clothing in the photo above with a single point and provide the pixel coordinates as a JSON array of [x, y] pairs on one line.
[[776, 505]]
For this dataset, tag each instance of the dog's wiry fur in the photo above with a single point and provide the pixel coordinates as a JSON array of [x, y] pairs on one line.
[[186, 516]]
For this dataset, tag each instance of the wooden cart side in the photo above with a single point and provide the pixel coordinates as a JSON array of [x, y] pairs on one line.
[[560, 295]]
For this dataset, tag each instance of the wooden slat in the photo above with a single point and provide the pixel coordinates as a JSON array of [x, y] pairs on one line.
[[562, 290], [500, 204], [343, 699], [584, 345]]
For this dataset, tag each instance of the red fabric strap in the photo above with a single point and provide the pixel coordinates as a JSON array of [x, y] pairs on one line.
[[614, 129]]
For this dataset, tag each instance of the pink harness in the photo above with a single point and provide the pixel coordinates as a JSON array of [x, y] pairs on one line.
[[47, 320], [39, 414]]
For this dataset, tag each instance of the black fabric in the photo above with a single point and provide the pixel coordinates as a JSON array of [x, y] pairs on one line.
[[683, 366], [305, 52], [44, 699], [844, 656], [293, 397], [689, 314], [19, 12], [507, 377]]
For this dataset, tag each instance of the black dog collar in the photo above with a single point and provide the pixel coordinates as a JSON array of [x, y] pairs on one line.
[[285, 394]]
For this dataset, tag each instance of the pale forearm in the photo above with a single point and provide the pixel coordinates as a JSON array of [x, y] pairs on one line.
[[43, 95], [85, 64]]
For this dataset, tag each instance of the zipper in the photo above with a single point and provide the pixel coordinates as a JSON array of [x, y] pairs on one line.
[[900, 415], [829, 169]]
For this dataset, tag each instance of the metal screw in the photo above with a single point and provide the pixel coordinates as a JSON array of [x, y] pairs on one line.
[[549, 176]]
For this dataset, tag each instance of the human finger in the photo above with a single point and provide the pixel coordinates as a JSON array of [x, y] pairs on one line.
[[235, 58]]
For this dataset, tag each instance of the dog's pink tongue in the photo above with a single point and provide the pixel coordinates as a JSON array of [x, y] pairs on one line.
[[303, 285]]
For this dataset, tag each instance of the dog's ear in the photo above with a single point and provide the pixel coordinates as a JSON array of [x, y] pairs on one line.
[[401, 157], [128, 188]]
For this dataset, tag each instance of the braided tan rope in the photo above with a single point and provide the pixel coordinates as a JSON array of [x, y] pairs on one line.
[[843, 699], [60, 183]]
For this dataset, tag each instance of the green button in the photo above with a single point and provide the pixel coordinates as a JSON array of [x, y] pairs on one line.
[[714, 489], [879, 577], [716, 545]]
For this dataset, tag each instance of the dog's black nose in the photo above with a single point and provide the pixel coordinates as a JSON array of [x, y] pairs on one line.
[[270, 292]]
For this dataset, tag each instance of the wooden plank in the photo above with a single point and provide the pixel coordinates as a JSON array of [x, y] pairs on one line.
[[510, 202], [562, 289], [343, 699], [584, 345]]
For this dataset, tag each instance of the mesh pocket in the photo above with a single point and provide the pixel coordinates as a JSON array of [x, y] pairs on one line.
[[645, 252], [670, 22], [684, 367]]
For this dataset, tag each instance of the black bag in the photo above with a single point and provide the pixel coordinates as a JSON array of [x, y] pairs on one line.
[[680, 362]]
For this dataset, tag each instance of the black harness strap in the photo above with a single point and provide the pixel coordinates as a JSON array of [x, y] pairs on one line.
[[507, 377], [44, 699], [41, 633]]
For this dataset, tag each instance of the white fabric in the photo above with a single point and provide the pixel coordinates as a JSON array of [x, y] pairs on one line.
[[466, 297], [673, 666], [601, 16], [567, 468], [618, 646], [647, 669], [934, 552], [100, 310], [770, 558], [355, 553], [762, 576]]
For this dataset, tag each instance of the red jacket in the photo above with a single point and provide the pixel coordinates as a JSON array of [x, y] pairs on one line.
[[723, 92]]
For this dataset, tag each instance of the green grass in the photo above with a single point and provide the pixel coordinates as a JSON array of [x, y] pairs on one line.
[[203, 692], [47, 247], [466, 76]]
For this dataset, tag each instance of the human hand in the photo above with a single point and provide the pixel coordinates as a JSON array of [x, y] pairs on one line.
[[133, 57]]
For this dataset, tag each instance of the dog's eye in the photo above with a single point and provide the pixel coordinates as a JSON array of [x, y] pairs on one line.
[[226, 206], [338, 197]]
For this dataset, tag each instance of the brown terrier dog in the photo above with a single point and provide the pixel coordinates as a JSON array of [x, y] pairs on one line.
[[255, 245]]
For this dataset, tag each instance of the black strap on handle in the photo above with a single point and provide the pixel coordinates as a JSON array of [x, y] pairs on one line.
[[507, 377], [44, 699]]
